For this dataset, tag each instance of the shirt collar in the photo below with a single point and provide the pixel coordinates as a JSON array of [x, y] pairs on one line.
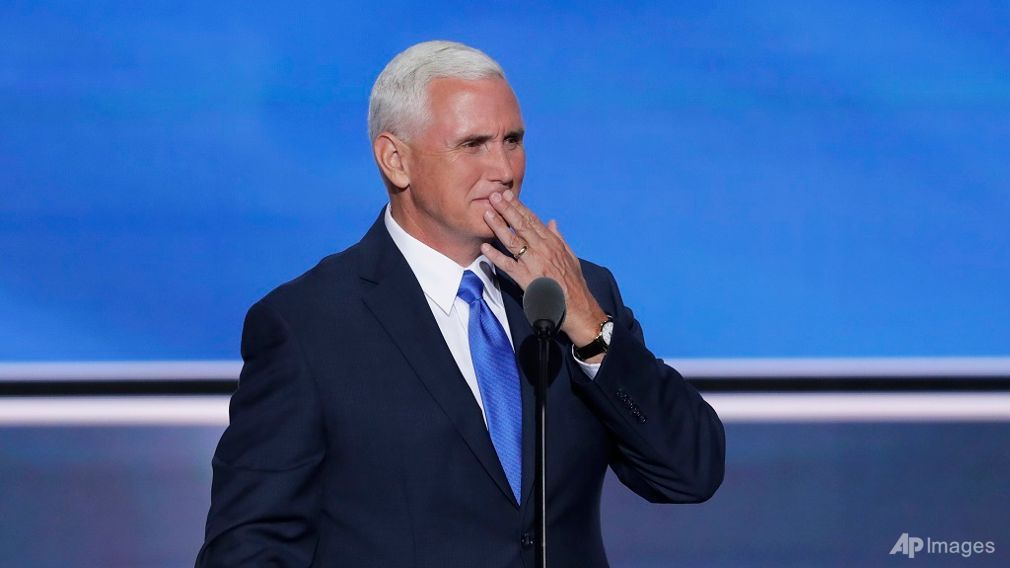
[[439, 275]]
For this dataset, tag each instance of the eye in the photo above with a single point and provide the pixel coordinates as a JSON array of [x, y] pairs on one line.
[[513, 141]]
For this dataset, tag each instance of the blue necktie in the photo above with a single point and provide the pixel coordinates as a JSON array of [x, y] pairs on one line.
[[495, 365]]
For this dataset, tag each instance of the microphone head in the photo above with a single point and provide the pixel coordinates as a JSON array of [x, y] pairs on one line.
[[544, 301]]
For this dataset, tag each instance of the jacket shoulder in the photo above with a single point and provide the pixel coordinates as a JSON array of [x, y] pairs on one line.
[[591, 270], [334, 276]]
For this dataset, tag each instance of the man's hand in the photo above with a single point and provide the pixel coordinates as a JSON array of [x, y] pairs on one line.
[[540, 250]]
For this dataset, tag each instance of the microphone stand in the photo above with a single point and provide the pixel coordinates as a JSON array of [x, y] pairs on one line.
[[545, 332]]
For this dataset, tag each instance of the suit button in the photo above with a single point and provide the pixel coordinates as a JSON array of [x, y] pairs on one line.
[[527, 540]]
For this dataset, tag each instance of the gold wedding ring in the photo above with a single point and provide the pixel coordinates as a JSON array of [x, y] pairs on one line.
[[522, 251]]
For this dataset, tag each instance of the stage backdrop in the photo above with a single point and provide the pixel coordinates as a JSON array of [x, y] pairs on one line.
[[765, 179]]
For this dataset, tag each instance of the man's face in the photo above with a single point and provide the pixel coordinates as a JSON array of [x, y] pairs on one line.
[[470, 147]]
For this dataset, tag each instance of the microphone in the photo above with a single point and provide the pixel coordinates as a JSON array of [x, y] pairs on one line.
[[544, 305]]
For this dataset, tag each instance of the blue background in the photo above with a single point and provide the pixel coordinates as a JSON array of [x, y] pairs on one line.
[[765, 179]]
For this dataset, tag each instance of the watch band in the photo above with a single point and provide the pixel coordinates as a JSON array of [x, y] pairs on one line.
[[596, 346]]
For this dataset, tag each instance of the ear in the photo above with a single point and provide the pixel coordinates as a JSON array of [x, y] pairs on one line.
[[391, 154]]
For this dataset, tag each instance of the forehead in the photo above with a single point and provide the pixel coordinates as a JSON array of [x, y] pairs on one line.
[[459, 106]]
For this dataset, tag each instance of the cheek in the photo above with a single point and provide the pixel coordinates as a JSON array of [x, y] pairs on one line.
[[467, 175], [519, 164], [423, 176], [441, 183]]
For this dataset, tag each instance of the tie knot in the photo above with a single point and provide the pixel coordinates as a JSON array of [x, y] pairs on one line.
[[471, 288]]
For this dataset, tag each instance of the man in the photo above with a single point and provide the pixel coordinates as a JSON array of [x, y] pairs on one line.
[[381, 417]]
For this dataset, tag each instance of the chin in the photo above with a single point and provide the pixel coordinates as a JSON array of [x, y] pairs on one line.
[[485, 234], [477, 226]]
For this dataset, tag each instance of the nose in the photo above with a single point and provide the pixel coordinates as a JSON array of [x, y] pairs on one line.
[[499, 167]]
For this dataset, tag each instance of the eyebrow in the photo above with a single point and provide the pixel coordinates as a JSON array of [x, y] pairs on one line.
[[477, 139], [484, 138]]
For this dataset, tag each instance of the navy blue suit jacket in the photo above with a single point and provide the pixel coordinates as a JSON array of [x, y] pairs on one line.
[[355, 441]]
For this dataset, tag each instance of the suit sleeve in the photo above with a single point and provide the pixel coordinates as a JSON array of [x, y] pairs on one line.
[[670, 444], [266, 493]]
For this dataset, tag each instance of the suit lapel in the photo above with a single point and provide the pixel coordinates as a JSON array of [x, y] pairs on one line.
[[394, 296]]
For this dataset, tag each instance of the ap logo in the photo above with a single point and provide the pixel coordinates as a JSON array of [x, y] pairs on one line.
[[907, 545]]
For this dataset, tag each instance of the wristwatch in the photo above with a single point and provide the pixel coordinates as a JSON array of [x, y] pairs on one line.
[[598, 345]]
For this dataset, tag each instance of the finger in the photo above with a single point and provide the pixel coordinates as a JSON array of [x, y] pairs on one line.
[[526, 212], [503, 262], [553, 226], [501, 229], [534, 221], [521, 219]]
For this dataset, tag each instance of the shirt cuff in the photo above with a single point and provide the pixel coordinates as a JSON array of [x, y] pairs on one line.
[[590, 369]]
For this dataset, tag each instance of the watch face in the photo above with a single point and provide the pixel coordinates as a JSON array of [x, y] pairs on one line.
[[607, 331]]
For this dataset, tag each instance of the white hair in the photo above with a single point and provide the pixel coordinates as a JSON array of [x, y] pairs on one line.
[[399, 99]]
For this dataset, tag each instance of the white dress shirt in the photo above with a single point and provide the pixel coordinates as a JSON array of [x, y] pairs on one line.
[[439, 277]]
